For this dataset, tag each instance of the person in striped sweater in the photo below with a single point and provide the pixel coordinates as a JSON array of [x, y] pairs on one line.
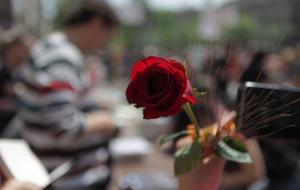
[[52, 89]]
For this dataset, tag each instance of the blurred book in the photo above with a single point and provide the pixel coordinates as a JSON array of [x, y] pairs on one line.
[[17, 161], [269, 111]]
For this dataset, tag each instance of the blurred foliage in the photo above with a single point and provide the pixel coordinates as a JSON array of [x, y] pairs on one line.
[[245, 29], [170, 30], [64, 6], [271, 31], [173, 31], [248, 29]]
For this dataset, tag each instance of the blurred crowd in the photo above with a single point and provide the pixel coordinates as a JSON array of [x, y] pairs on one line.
[[44, 87]]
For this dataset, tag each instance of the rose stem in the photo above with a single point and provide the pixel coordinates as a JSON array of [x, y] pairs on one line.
[[189, 111]]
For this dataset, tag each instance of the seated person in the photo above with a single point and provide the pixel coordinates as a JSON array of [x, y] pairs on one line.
[[52, 94], [14, 50]]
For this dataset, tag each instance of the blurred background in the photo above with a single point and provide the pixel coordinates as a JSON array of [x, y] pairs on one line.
[[173, 28], [218, 39]]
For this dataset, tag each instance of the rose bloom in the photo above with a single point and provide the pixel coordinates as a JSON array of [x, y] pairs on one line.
[[160, 86]]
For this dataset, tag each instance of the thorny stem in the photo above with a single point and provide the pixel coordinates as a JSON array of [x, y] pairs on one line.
[[189, 111]]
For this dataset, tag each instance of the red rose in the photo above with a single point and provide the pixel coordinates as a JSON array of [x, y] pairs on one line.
[[160, 86]]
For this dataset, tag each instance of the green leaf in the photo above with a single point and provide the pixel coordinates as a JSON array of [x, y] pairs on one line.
[[227, 152], [171, 137], [187, 158], [236, 144]]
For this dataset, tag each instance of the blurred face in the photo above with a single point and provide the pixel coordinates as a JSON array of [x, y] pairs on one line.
[[275, 67], [16, 55], [100, 36]]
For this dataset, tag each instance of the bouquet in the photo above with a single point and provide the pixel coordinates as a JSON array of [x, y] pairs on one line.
[[161, 87]]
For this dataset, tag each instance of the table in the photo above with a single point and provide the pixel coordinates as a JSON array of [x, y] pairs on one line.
[[155, 161]]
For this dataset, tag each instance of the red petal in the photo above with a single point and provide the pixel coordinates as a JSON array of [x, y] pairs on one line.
[[188, 93]]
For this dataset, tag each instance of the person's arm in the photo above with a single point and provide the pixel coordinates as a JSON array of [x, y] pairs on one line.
[[100, 121], [247, 173], [60, 85], [93, 122], [205, 176]]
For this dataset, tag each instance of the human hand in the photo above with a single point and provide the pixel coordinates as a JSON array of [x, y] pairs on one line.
[[101, 122], [205, 177], [17, 185]]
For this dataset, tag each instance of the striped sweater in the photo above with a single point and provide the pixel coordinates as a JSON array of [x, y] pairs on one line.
[[51, 95]]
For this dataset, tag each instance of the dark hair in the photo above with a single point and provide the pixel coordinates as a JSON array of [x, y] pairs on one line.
[[255, 71], [85, 10]]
